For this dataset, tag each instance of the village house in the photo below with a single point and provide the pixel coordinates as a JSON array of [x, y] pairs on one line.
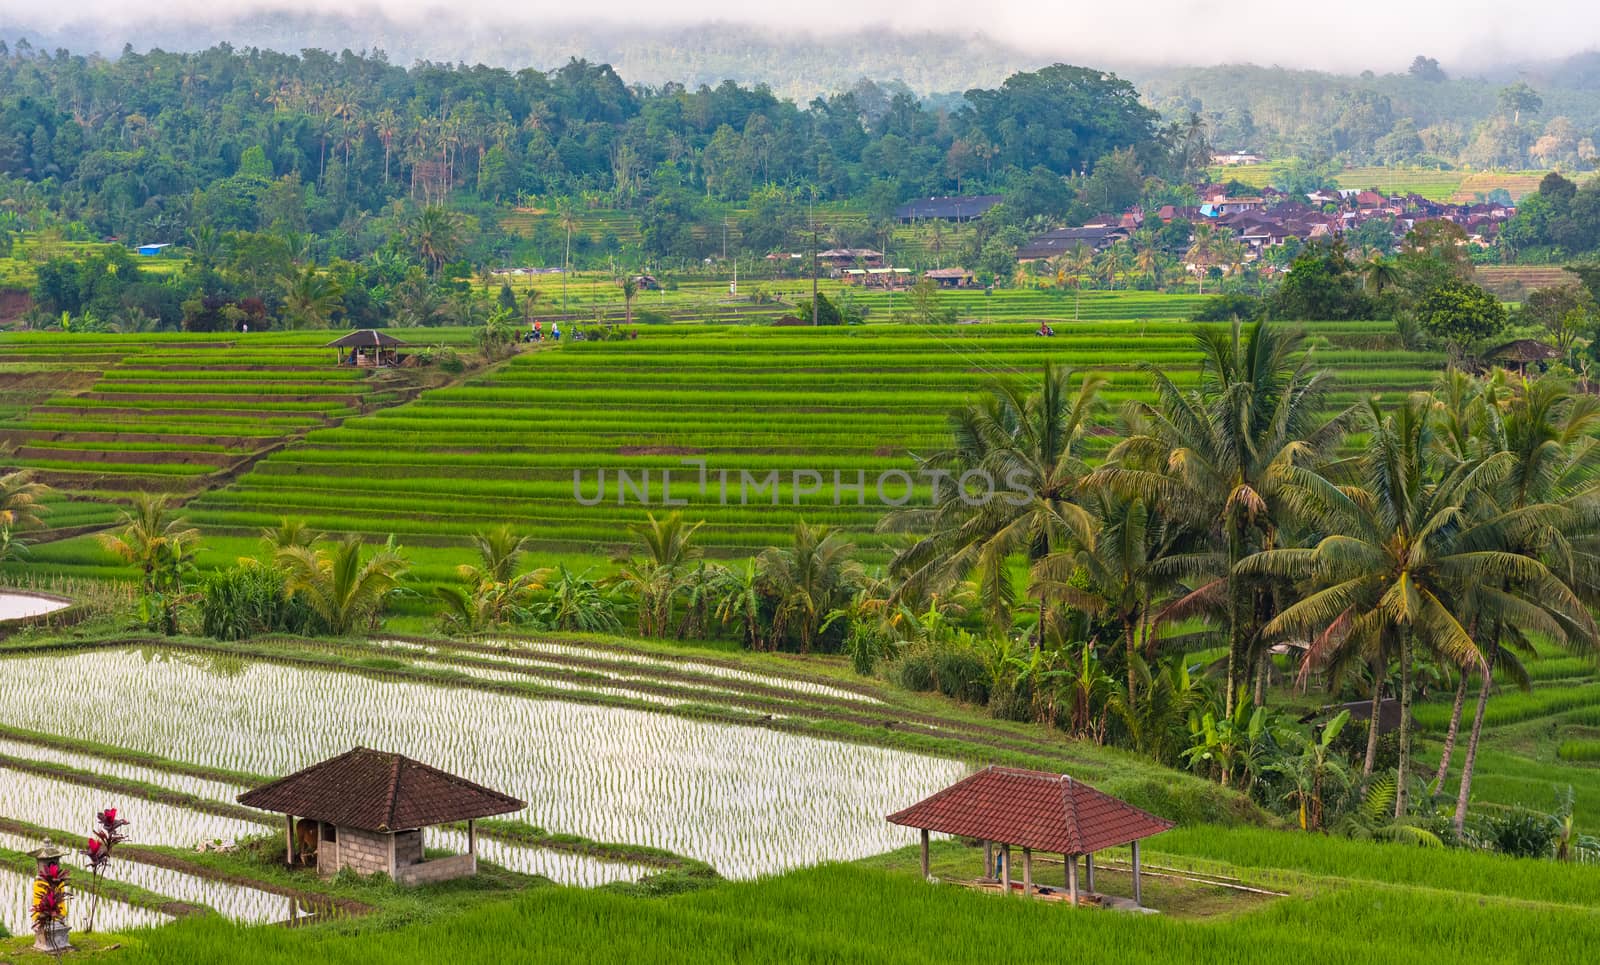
[[964, 208]]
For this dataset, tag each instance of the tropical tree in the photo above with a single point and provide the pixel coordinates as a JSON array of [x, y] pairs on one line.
[[1316, 774], [1403, 557], [1032, 445], [1551, 493], [1114, 577], [1211, 459], [436, 234], [161, 546], [310, 297], [345, 591], [21, 500], [810, 579], [577, 602], [289, 531], [738, 597]]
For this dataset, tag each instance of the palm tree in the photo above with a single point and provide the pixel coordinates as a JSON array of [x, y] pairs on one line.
[[495, 593], [809, 579], [159, 545], [499, 551], [1549, 434], [1115, 576], [630, 288], [436, 234], [148, 535], [1212, 458], [567, 218], [21, 499], [1378, 274], [310, 298], [288, 532], [341, 589], [1033, 446], [1403, 557], [1201, 248]]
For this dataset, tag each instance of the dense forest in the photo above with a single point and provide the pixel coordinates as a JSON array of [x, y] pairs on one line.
[[154, 145]]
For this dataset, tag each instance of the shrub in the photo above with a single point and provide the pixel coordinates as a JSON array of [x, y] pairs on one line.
[[914, 672], [244, 601], [960, 674], [649, 316], [1522, 833], [1226, 308]]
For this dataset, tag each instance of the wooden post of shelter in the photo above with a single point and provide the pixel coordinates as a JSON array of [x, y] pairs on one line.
[[1034, 811], [472, 837], [1137, 897], [288, 854], [924, 852]]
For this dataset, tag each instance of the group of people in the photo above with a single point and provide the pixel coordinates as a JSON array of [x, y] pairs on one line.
[[535, 334], [1045, 330]]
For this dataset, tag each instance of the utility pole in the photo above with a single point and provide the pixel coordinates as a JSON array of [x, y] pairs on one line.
[[812, 218]]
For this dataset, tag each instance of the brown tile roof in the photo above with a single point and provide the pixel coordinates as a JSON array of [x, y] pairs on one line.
[[1032, 809], [365, 338], [378, 791]]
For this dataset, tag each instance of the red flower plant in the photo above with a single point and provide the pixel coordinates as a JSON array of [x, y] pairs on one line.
[[49, 896], [97, 850]]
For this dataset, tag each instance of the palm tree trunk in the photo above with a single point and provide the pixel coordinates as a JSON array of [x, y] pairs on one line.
[[1132, 645], [1450, 735], [1372, 726], [1235, 621], [1400, 784], [1471, 760]]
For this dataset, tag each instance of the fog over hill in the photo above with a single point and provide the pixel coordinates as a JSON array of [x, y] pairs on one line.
[[932, 46]]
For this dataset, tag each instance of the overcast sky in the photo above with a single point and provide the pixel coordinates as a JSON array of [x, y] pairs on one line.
[[1355, 34]]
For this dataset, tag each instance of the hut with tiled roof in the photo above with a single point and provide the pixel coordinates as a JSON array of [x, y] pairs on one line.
[[366, 810], [1034, 811]]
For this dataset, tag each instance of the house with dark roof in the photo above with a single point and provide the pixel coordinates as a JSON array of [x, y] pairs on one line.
[[1063, 240], [963, 208], [366, 810]]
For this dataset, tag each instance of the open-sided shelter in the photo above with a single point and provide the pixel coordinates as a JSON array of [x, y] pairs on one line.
[[367, 347], [365, 810], [1034, 811]]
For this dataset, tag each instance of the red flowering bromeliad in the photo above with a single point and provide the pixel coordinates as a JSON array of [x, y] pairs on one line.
[[97, 851]]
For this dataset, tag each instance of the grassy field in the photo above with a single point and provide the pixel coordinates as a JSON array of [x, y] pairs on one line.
[[1461, 187]]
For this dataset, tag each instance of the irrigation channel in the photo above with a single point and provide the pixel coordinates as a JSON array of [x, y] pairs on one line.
[[746, 800]]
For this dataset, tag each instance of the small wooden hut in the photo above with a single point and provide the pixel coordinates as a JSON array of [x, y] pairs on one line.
[[366, 810], [1523, 352], [1034, 811], [367, 348]]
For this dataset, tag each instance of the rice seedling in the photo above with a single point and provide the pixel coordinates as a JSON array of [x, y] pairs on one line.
[[748, 801]]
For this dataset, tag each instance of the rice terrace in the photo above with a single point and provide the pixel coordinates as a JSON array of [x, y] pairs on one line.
[[747, 494]]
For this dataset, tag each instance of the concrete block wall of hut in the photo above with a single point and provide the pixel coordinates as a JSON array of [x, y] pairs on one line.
[[407, 848], [439, 869], [365, 852], [327, 848]]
